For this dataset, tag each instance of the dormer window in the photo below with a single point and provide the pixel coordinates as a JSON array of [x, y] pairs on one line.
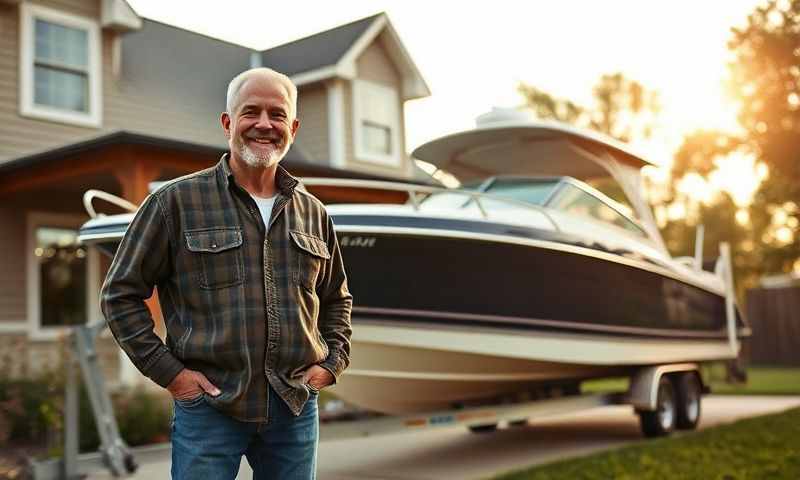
[[377, 138], [377, 123], [60, 67]]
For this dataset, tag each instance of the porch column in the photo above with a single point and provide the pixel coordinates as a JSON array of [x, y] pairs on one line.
[[134, 177]]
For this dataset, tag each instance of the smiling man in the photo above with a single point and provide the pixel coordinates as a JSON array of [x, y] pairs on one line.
[[254, 295]]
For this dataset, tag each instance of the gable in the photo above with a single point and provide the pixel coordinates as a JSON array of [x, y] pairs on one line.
[[375, 65]]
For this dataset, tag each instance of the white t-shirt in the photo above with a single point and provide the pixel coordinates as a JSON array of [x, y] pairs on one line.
[[265, 207]]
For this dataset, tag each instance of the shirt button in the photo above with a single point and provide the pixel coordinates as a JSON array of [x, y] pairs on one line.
[[272, 346]]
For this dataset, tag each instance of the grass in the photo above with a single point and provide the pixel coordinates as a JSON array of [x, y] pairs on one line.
[[765, 447], [762, 380]]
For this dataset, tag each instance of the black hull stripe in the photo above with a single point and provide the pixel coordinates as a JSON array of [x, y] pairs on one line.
[[401, 316]]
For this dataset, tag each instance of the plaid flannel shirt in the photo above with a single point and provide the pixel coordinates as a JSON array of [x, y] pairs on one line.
[[244, 303]]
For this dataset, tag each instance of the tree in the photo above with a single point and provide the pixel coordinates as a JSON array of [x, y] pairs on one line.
[[765, 76], [622, 108], [697, 157]]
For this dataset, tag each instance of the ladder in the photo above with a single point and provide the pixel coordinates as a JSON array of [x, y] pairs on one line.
[[116, 455]]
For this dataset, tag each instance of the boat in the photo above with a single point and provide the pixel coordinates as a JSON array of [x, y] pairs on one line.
[[525, 279]]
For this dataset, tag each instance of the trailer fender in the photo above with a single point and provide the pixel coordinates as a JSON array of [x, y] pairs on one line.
[[643, 389]]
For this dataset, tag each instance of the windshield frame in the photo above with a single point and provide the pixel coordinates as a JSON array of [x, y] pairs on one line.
[[600, 196]]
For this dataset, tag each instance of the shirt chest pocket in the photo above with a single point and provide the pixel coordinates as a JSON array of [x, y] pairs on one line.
[[310, 254], [217, 254]]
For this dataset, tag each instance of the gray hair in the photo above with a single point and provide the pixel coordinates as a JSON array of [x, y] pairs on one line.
[[239, 80]]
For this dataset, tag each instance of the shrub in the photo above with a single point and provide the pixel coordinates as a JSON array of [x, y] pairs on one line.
[[32, 412]]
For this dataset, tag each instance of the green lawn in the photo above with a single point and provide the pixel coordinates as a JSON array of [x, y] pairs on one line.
[[753, 449], [762, 380]]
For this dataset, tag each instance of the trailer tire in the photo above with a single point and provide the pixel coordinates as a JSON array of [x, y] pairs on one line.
[[488, 428], [661, 421], [689, 392]]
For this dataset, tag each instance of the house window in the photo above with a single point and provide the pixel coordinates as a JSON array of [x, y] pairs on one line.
[[62, 277], [60, 71], [377, 123], [377, 138]]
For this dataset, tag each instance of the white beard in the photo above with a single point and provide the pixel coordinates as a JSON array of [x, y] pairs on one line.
[[265, 160]]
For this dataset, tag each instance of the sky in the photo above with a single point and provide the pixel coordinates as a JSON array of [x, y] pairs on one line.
[[473, 54]]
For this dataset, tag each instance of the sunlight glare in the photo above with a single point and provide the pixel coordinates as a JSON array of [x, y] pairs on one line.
[[696, 188], [743, 217], [737, 174]]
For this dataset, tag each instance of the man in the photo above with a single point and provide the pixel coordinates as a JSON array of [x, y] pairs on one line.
[[253, 293]]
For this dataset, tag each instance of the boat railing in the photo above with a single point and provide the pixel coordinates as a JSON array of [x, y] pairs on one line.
[[413, 190], [91, 195]]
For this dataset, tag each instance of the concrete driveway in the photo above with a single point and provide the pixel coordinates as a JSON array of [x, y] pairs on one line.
[[458, 454]]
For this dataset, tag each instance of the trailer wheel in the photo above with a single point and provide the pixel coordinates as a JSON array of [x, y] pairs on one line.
[[488, 428], [661, 421], [689, 392]]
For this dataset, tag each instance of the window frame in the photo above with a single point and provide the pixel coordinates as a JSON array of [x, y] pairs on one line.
[[27, 106], [394, 159], [36, 331]]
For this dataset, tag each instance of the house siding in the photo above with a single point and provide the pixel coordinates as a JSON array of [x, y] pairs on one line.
[[177, 103], [313, 139], [374, 65], [19, 135], [12, 258]]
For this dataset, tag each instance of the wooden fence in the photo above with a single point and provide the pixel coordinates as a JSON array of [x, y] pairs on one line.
[[774, 314]]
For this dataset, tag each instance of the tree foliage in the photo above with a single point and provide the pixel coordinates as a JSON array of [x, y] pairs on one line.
[[622, 108], [765, 76]]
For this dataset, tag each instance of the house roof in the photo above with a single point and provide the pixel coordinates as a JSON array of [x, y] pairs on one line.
[[324, 55], [333, 54], [323, 49]]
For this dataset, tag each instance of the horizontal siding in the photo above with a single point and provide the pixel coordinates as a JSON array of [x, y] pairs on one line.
[[312, 110], [12, 258], [19, 135], [374, 65], [152, 96]]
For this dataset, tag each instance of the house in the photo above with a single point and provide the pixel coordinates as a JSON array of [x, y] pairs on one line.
[[94, 96]]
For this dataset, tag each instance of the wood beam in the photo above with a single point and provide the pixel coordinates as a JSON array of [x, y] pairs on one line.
[[135, 177], [42, 178]]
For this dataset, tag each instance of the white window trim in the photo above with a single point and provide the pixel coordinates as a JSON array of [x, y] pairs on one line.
[[35, 329], [395, 159], [28, 15], [336, 124]]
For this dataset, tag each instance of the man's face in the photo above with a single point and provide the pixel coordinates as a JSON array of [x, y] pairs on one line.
[[262, 124]]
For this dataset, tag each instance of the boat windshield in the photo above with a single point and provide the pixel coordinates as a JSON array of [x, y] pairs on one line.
[[535, 191], [523, 189]]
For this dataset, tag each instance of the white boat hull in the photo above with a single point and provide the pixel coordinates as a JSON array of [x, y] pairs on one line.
[[411, 368]]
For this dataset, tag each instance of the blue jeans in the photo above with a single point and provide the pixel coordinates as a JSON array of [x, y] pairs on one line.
[[208, 445]]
